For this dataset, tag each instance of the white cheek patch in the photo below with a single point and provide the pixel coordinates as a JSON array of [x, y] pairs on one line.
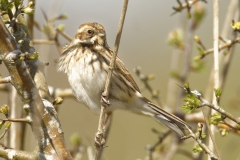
[[87, 41], [76, 41]]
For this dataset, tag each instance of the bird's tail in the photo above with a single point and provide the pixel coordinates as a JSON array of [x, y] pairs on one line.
[[173, 122]]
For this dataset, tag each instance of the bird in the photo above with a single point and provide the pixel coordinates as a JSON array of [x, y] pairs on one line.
[[86, 62]]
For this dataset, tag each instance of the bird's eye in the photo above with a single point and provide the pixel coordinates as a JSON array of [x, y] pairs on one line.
[[90, 31]]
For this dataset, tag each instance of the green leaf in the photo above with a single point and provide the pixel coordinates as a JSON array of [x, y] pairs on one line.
[[203, 136], [235, 26], [175, 75], [198, 66], [62, 16], [215, 118], [75, 140], [61, 27], [4, 109], [5, 5], [224, 132], [7, 124], [201, 51], [58, 101], [191, 103], [197, 149], [28, 10], [33, 56], [218, 92], [175, 38], [17, 3]]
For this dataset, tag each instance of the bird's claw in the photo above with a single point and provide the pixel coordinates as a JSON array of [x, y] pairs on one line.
[[105, 101], [99, 141]]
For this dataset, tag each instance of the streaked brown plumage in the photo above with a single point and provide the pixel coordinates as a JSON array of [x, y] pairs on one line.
[[86, 59]]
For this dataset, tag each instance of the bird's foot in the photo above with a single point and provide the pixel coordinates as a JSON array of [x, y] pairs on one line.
[[99, 141], [104, 101]]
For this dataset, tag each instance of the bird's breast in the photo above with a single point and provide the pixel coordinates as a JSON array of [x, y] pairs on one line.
[[88, 78]]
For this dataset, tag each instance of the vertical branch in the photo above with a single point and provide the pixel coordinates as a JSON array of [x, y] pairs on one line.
[[171, 86], [30, 20], [187, 59], [212, 143], [105, 94], [228, 58], [14, 140], [230, 12]]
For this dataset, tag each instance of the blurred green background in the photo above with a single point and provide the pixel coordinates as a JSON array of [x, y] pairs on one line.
[[143, 43]]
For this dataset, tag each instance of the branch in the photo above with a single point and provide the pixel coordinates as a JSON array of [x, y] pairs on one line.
[[45, 124], [218, 109], [67, 37], [30, 19], [227, 45], [192, 104], [145, 80], [5, 80], [59, 92], [151, 149], [233, 128], [4, 87], [43, 41], [104, 99], [212, 143], [25, 120], [9, 153], [204, 147], [186, 5]]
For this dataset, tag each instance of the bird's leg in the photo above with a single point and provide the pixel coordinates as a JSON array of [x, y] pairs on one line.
[[104, 100], [99, 141]]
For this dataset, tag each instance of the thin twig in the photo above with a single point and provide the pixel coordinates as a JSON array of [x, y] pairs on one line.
[[187, 5], [220, 47], [4, 87], [4, 152], [25, 120], [187, 59], [67, 37], [172, 150], [228, 58], [5, 80], [204, 147], [225, 30], [107, 85], [145, 80], [160, 140], [229, 127], [43, 41], [13, 133], [30, 20], [218, 109], [212, 142]]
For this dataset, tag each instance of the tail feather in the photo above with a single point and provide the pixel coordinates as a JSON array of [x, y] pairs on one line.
[[173, 122]]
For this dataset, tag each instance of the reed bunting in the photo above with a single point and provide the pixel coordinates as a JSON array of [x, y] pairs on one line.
[[86, 62]]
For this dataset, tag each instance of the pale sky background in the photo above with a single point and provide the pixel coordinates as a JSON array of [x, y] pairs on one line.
[[144, 43]]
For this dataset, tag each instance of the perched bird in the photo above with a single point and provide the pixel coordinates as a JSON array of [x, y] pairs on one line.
[[86, 62]]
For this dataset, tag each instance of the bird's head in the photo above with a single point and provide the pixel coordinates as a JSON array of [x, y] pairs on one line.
[[91, 33]]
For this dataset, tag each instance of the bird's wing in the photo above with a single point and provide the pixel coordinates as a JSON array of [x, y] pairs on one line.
[[124, 71]]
